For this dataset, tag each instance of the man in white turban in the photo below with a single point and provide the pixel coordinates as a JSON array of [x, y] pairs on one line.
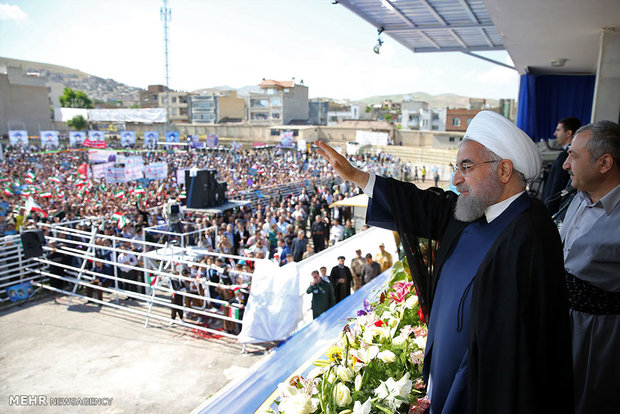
[[494, 295]]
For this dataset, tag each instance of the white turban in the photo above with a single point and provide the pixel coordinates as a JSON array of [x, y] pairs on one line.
[[505, 139]]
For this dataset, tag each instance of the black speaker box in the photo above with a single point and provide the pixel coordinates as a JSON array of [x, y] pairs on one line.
[[196, 189], [32, 242]]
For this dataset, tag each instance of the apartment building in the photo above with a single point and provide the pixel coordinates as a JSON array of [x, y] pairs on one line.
[[215, 108], [178, 110], [279, 103]]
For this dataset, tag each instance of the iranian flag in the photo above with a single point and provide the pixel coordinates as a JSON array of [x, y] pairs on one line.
[[55, 180], [32, 206], [119, 194], [29, 178], [8, 192], [120, 220], [139, 190], [46, 194], [182, 195]]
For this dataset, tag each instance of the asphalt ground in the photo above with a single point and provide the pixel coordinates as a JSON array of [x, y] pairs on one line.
[[50, 355]]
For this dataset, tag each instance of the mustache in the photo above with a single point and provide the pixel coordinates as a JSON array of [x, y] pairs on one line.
[[463, 187]]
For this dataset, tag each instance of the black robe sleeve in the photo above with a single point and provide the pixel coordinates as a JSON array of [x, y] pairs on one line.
[[519, 338]]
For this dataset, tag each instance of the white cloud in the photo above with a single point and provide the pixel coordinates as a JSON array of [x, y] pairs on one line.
[[12, 12]]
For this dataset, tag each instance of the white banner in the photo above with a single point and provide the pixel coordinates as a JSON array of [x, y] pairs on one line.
[[156, 171], [180, 177], [99, 170], [140, 115], [371, 138], [101, 156], [133, 172]]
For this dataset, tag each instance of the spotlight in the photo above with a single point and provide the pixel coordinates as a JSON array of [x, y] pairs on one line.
[[379, 41], [378, 46]]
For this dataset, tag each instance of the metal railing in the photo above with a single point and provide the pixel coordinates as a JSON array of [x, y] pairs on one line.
[[14, 266]]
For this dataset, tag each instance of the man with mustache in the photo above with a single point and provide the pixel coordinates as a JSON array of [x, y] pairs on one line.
[[499, 338], [591, 237]]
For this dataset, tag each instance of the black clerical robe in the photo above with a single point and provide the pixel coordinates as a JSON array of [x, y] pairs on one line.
[[519, 358], [341, 289]]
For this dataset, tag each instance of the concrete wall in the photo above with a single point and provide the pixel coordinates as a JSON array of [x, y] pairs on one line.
[[231, 106], [24, 104], [295, 104]]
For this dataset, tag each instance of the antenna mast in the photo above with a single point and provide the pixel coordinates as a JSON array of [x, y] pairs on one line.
[[166, 16]]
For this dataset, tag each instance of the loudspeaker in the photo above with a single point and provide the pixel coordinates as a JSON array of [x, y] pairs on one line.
[[220, 194], [201, 189], [32, 242]]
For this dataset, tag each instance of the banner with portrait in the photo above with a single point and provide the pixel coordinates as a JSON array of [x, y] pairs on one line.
[[212, 140], [150, 138], [287, 139], [99, 170], [76, 138], [128, 138], [18, 137], [49, 139], [172, 136], [195, 141], [96, 139]]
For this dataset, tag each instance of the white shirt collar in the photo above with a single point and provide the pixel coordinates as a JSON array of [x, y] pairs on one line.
[[494, 211]]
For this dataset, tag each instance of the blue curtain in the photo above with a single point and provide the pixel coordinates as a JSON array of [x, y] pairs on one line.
[[545, 99]]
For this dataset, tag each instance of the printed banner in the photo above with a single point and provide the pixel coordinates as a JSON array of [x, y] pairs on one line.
[[49, 138], [180, 177], [133, 172], [18, 137], [194, 141], [128, 138], [76, 138], [96, 139], [287, 139], [212, 140], [115, 175], [172, 136], [135, 160], [151, 138], [95, 156], [156, 171], [99, 170]]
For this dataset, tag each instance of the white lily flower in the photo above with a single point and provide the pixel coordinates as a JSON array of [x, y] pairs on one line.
[[387, 356], [359, 408], [420, 341], [358, 382], [388, 390]]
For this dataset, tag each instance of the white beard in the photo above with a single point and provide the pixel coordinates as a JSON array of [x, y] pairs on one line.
[[472, 206]]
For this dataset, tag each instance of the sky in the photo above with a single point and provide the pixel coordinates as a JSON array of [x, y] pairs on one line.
[[238, 43]]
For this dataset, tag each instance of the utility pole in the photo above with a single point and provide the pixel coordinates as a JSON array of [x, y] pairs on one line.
[[166, 16]]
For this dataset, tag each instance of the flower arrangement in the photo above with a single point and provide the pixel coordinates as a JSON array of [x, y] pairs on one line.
[[375, 366]]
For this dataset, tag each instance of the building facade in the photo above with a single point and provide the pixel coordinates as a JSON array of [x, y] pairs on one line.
[[24, 102], [220, 107], [279, 103], [459, 119]]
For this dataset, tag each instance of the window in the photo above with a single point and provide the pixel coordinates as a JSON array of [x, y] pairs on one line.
[[260, 116], [275, 132], [174, 99], [456, 122], [451, 139], [259, 103], [276, 102], [275, 115]]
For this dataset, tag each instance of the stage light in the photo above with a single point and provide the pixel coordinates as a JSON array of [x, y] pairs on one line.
[[379, 41], [378, 46]]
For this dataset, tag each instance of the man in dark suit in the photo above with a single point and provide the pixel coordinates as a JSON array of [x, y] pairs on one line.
[[557, 179]]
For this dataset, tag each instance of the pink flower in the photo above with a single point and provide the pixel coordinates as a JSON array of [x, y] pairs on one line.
[[420, 331], [401, 290], [420, 406]]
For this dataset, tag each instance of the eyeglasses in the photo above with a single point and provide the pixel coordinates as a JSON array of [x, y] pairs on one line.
[[465, 168]]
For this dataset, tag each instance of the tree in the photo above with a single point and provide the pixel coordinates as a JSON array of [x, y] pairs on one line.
[[74, 99], [388, 117], [78, 123]]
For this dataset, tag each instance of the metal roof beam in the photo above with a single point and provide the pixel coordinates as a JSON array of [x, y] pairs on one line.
[[438, 27], [474, 19]]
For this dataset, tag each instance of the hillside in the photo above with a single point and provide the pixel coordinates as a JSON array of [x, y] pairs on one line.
[[435, 101]]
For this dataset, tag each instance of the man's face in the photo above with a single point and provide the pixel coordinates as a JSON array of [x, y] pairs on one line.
[[583, 171], [341, 261], [316, 277], [480, 187], [563, 136]]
